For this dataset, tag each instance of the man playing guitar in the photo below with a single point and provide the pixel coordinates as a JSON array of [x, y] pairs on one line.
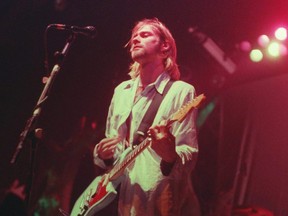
[[158, 182]]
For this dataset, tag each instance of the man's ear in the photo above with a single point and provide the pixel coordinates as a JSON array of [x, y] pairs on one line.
[[165, 47]]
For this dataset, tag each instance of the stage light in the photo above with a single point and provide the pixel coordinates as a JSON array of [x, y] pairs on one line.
[[256, 55], [274, 49], [281, 33], [263, 40]]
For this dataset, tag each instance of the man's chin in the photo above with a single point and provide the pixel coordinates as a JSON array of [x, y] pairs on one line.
[[136, 54], [137, 58]]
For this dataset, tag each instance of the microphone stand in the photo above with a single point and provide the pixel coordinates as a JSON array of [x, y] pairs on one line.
[[30, 132]]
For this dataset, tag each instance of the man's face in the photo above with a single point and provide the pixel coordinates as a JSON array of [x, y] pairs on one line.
[[145, 45]]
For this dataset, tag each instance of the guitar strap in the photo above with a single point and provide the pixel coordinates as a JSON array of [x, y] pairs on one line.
[[150, 115]]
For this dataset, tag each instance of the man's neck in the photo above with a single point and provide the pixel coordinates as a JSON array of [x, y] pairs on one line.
[[150, 72]]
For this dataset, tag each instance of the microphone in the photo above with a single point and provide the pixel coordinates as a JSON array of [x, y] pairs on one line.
[[89, 31]]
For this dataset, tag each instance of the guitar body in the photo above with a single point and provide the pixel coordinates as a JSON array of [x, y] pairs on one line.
[[99, 193], [95, 197]]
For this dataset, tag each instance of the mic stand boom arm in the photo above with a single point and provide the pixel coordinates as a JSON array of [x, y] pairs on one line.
[[30, 132], [31, 123]]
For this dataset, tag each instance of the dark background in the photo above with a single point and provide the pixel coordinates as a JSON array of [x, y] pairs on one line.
[[93, 67]]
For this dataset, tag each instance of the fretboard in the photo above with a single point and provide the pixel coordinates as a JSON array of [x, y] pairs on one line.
[[119, 167]]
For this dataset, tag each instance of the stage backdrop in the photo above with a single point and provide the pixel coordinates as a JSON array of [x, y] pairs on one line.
[[244, 148]]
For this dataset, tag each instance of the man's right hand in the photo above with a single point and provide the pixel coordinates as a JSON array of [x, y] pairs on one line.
[[106, 147]]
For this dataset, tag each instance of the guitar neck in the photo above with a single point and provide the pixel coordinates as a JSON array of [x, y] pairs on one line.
[[119, 167]]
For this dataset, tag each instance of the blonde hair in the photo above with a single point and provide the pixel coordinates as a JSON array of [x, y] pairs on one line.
[[165, 35]]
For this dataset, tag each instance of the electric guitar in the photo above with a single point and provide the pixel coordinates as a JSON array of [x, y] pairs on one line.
[[102, 189]]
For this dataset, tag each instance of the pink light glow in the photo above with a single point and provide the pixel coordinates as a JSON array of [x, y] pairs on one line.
[[245, 46], [283, 50], [263, 40]]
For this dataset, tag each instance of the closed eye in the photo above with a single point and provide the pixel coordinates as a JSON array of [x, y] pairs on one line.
[[145, 34]]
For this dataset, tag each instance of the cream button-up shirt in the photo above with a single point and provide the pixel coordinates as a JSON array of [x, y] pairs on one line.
[[144, 190]]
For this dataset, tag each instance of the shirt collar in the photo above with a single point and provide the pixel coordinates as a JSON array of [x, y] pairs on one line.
[[159, 84]]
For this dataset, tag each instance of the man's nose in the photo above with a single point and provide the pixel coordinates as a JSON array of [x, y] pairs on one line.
[[135, 39]]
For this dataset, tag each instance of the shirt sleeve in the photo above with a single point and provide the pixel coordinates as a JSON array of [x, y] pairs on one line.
[[108, 133], [185, 132], [112, 130]]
